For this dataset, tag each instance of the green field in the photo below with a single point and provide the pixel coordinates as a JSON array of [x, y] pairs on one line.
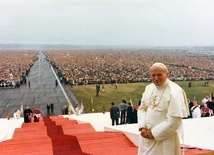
[[133, 91]]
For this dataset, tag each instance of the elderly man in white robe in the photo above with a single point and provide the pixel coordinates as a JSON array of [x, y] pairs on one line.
[[163, 105]]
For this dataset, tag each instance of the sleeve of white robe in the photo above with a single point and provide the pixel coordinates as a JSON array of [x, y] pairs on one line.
[[141, 115], [166, 128], [141, 118]]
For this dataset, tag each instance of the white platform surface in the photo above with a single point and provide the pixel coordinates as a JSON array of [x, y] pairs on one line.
[[7, 127], [198, 132]]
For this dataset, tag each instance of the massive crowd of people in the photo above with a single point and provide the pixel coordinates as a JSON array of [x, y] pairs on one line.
[[15, 66], [106, 66], [121, 66]]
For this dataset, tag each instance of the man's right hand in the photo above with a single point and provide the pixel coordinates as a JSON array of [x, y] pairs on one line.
[[146, 133]]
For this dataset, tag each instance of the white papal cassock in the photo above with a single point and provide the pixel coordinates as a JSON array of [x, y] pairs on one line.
[[161, 110]]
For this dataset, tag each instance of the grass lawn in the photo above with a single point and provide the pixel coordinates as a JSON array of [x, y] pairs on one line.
[[130, 91]]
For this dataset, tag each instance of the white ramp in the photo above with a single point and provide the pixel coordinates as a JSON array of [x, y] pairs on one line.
[[198, 132]]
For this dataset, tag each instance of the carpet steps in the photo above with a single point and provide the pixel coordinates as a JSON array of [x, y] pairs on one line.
[[103, 143], [44, 137], [56, 135]]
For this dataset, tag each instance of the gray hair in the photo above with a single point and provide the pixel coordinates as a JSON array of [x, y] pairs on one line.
[[160, 64]]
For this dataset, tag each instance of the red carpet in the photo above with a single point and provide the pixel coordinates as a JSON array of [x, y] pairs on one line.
[[59, 136], [56, 135]]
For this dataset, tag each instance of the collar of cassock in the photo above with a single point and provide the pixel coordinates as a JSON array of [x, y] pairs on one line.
[[163, 85]]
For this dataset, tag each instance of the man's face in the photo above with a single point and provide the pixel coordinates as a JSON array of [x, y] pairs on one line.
[[158, 75], [195, 103]]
